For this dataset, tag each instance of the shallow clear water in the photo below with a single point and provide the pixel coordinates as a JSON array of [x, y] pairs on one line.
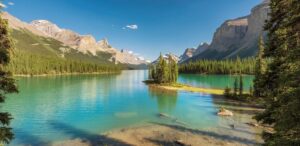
[[214, 81], [57, 108]]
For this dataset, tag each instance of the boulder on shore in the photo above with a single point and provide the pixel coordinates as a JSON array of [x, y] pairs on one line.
[[225, 112]]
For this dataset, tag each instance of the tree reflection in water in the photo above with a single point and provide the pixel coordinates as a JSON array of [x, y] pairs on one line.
[[166, 99]]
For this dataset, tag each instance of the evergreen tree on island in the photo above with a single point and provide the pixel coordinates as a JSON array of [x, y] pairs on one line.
[[7, 83], [164, 71]]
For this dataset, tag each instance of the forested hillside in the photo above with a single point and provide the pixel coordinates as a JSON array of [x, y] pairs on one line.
[[39, 55]]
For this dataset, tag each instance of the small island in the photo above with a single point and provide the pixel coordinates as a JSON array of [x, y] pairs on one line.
[[164, 73]]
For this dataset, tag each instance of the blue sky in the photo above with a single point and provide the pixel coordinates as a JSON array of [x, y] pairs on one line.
[[147, 27]]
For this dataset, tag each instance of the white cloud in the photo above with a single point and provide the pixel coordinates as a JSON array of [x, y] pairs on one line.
[[11, 3], [2, 5], [133, 26]]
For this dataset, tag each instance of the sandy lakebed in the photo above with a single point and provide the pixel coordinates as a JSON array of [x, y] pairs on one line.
[[178, 133]]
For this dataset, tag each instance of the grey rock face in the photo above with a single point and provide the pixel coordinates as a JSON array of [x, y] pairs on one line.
[[190, 52], [82, 43], [237, 37], [230, 33]]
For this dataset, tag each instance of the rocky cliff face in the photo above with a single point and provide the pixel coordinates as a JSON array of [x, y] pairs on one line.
[[201, 48], [190, 52], [83, 43], [237, 37], [229, 34], [166, 56], [15, 23], [256, 21]]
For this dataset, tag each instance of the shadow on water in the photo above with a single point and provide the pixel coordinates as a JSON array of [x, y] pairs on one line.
[[220, 100], [244, 111], [26, 138], [166, 99], [92, 139], [162, 142], [242, 131], [211, 134]]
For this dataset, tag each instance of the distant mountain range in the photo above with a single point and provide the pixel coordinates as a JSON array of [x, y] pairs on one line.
[[166, 57], [236, 37], [45, 37]]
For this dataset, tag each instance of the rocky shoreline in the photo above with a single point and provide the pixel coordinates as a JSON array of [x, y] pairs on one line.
[[155, 134], [239, 129]]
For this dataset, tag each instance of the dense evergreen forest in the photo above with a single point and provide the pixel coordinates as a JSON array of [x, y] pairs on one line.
[[237, 66], [278, 82], [164, 71], [7, 83], [32, 64]]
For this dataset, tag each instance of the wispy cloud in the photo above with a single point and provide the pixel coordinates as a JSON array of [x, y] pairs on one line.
[[2, 5], [132, 26], [11, 3]]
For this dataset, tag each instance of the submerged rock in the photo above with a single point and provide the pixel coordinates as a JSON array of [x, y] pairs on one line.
[[163, 115], [225, 112], [252, 124]]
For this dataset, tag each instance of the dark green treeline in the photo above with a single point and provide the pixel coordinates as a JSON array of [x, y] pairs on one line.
[[279, 83], [32, 64], [7, 83], [164, 71], [236, 66]]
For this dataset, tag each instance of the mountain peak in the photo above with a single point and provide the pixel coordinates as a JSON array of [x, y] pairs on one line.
[[243, 21], [81, 43], [46, 26]]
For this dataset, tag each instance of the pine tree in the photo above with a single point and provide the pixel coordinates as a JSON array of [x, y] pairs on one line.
[[164, 71], [260, 68], [150, 71], [160, 67], [235, 87], [281, 87], [227, 92], [241, 86], [251, 90], [175, 71], [7, 84]]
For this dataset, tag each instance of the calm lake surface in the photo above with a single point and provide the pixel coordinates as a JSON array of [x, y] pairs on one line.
[[56, 108]]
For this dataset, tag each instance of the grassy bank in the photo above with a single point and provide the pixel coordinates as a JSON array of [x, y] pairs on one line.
[[184, 87]]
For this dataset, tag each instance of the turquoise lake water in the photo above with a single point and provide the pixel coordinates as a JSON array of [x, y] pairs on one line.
[[56, 108]]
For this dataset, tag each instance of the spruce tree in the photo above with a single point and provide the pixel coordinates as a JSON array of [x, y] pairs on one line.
[[251, 90], [159, 69], [241, 86], [175, 71], [281, 87], [164, 71], [260, 68], [235, 87], [7, 83], [227, 92]]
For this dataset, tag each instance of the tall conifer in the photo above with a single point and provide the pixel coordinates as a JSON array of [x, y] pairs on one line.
[[7, 83]]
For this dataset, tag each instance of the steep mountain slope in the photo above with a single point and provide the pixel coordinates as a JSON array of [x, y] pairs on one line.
[[166, 56], [190, 52], [26, 41], [41, 35], [237, 37]]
